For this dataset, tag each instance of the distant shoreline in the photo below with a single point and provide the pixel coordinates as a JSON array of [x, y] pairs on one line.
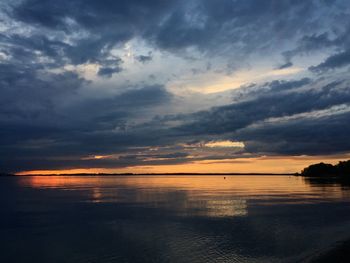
[[153, 174]]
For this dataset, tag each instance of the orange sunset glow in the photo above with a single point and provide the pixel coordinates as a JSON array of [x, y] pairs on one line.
[[277, 164]]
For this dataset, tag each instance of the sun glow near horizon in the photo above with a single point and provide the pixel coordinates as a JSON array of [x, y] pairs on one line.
[[263, 164]]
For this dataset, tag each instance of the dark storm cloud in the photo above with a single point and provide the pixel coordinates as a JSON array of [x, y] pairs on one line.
[[310, 136], [28, 95], [109, 67], [174, 25], [36, 103], [50, 117], [282, 85], [286, 65], [287, 117], [335, 37], [108, 72], [214, 24], [98, 25], [90, 116], [333, 62], [86, 31], [144, 58], [114, 112], [302, 124], [40, 130], [310, 43], [253, 91]]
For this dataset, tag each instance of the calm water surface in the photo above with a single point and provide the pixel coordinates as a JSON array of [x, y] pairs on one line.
[[169, 219]]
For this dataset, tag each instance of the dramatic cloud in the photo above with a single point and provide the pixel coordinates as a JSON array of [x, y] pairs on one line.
[[296, 117], [84, 31], [335, 61], [143, 58], [110, 84]]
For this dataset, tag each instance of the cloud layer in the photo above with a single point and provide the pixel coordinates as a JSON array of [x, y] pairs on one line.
[[110, 84]]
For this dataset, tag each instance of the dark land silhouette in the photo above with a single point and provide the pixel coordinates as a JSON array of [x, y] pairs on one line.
[[327, 174], [325, 170]]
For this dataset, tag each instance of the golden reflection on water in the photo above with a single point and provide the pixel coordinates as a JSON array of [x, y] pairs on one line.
[[226, 208], [96, 195], [219, 183], [211, 196]]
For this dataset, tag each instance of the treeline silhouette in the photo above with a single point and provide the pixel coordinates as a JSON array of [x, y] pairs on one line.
[[326, 170]]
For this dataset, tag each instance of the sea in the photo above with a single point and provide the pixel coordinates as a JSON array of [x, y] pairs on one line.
[[164, 218]]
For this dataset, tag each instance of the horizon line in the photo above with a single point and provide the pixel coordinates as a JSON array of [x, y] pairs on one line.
[[136, 174]]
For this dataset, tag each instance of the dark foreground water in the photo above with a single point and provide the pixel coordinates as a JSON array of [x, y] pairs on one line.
[[169, 219]]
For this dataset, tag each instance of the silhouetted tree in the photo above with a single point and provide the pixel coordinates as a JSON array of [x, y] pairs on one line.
[[325, 170], [320, 170], [343, 168]]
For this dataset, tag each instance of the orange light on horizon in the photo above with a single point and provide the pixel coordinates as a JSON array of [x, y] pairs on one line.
[[264, 164]]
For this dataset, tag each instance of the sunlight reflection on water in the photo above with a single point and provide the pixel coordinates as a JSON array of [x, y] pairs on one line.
[[202, 195], [169, 218]]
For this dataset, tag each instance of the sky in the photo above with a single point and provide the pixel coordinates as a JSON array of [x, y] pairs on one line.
[[173, 86]]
